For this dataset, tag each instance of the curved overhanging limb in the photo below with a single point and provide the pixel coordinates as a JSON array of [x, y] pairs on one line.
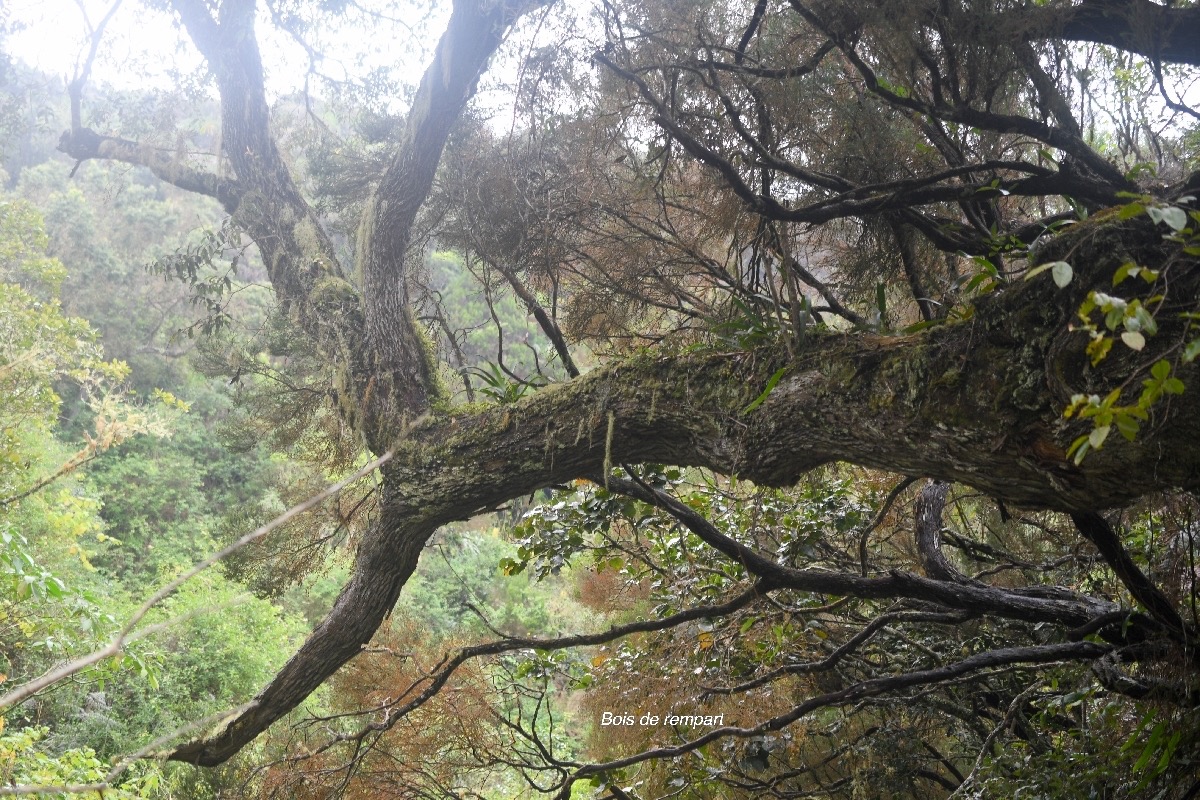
[[1118, 625], [882, 403], [928, 510], [1152, 30], [1097, 530]]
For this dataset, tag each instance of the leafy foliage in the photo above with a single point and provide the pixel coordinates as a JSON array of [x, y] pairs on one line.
[[817, 207], [76, 549]]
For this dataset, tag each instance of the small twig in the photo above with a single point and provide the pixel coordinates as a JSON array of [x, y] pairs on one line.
[[1011, 715], [879, 515]]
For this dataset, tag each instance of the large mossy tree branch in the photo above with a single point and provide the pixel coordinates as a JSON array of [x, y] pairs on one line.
[[295, 248], [309, 281], [85, 144], [976, 402]]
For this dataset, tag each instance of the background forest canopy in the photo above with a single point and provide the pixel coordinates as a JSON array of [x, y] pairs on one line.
[[821, 374]]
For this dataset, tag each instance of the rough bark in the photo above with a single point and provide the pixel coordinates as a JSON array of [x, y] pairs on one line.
[[84, 144], [402, 364], [928, 509]]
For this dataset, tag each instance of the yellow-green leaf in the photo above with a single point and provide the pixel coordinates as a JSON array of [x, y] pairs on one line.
[[1134, 340]]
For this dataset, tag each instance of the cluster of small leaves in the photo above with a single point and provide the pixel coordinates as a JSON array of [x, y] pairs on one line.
[[503, 387], [746, 328], [1106, 317], [544, 665], [1131, 760], [984, 280], [208, 267], [1127, 419], [23, 761], [26, 578], [1158, 740], [800, 526], [550, 535], [617, 530], [53, 617], [1133, 318], [972, 285]]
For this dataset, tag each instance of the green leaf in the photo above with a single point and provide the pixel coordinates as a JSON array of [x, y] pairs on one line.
[[1191, 351], [1130, 211], [978, 281], [1128, 426], [1098, 348], [771, 382], [916, 327], [1062, 273], [1134, 340], [1079, 448], [1142, 320], [1175, 218], [1168, 752], [1151, 747], [1124, 271]]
